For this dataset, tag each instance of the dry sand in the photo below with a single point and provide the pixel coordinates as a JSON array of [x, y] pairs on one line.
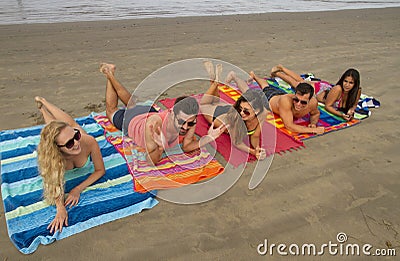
[[346, 181]]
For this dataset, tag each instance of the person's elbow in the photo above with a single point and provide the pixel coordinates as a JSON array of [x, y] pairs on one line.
[[100, 172], [152, 160]]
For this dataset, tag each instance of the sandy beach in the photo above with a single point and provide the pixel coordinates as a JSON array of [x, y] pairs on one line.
[[346, 181]]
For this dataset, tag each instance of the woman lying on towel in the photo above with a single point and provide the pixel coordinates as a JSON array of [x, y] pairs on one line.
[[244, 117], [64, 145], [340, 99]]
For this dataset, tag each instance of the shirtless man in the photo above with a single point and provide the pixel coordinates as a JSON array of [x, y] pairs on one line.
[[289, 106], [150, 129]]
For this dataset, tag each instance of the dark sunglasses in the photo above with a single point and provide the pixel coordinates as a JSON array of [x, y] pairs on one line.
[[297, 100], [71, 142], [189, 123], [244, 110]]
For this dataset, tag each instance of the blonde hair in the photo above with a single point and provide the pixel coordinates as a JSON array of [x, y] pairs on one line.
[[51, 162]]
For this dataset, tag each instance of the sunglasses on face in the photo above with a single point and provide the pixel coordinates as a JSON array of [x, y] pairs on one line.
[[297, 100], [71, 142], [244, 110], [189, 123]]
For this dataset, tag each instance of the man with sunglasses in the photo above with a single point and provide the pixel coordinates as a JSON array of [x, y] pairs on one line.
[[155, 131], [293, 106]]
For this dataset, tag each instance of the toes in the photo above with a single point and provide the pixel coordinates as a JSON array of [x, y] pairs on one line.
[[101, 67]]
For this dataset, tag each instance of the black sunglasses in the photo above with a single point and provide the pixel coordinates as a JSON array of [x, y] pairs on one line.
[[244, 110], [71, 142], [189, 123], [297, 100]]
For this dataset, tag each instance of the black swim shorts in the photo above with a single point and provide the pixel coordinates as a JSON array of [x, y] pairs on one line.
[[129, 114]]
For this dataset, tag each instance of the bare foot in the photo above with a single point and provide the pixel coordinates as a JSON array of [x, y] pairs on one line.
[[107, 68], [101, 67], [112, 67], [210, 69], [252, 77], [218, 71], [230, 77], [39, 102], [275, 70]]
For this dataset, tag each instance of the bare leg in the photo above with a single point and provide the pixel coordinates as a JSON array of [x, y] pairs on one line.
[[114, 90], [211, 96], [261, 81], [241, 84], [218, 71], [287, 75], [51, 112]]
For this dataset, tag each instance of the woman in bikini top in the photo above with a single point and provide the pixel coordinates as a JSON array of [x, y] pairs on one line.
[[243, 118], [63, 146]]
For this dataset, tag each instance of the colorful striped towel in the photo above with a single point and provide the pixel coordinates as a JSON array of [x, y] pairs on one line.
[[176, 170], [27, 215]]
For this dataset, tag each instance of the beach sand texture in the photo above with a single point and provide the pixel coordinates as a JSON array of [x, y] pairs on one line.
[[347, 181]]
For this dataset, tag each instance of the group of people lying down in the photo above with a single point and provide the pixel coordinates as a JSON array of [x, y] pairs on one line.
[[64, 145]]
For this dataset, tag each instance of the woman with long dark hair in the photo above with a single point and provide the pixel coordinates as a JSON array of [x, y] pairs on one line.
[[243, 118]]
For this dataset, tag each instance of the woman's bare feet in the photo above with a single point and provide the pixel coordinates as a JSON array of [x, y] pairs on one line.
[[39, 102], [252, 77], [230, 77], [208, 65]]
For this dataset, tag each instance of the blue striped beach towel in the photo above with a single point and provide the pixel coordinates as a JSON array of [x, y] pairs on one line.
[[27, 215]]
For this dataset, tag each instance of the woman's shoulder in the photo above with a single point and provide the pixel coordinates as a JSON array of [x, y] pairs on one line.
[[337, 87], [88, 142], [336, 90]]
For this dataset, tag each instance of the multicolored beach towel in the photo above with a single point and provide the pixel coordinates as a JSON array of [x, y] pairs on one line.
[[27, 215], [176, 169], [279, 144]]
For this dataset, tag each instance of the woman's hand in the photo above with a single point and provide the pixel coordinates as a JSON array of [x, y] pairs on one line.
[[73, 197], [347, 117], [215, 133], [59, 221], [351, 112], [260, 153]]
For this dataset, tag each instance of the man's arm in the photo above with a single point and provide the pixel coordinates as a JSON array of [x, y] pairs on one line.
[[314, 113], [285, 111], [190, 143]]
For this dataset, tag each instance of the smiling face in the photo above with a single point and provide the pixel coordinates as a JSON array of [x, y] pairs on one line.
[[348, 83], [183, 122], [300, 102], [246, 111], [66, 137]]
